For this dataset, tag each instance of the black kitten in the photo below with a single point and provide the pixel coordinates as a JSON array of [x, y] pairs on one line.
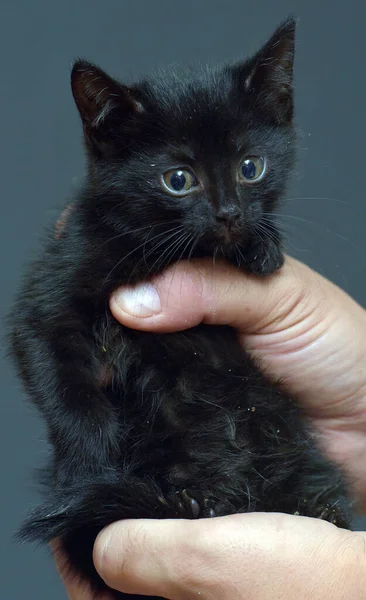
[[181, 166]]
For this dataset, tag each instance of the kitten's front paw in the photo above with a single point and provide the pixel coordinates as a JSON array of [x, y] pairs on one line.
[[193, 507], [264, 258], [334, 515]]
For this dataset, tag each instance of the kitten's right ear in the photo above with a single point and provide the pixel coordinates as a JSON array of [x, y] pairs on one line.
[[101, 100]]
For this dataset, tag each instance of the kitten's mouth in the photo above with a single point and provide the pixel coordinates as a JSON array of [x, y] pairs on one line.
[[224, 243], [229, 237], [226, 236]]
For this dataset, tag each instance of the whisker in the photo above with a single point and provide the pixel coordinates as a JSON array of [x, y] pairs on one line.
[[169, 251], [130, 232], [181, 242], [237, 256], [194, 244], [288, 233], [240, 253], [132, 252], [259, 233], [191, 238], [152, 250], [305, 198], [314, 224], [267, 231]]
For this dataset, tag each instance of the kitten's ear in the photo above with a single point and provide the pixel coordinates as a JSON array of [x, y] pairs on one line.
[[269, 74], [100, 100]]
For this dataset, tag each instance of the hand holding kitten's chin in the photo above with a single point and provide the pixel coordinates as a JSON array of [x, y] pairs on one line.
[[306, 332]]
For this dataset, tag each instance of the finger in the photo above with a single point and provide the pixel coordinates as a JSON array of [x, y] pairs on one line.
[[190, 293], [145, 557], [263, 555]]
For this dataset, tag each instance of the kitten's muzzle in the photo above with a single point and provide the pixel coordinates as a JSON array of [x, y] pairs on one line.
[[229, 224]]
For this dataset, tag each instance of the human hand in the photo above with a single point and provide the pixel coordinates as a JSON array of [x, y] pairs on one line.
[[257, 556], [306, 332]]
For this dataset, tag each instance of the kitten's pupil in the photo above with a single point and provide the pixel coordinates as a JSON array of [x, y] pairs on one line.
[[178, 181], [249, 169]]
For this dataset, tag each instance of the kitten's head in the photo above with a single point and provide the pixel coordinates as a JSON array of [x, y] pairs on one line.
[[196, 160]]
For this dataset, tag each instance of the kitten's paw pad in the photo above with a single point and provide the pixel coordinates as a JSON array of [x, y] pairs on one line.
[[210, 511], [188, 505], [192, 505], [264, 259]]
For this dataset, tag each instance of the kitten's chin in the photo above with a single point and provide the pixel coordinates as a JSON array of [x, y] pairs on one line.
[[225, 242], [232, 252]]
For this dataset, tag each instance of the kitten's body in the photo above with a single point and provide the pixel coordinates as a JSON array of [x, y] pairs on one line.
[[169, 425]]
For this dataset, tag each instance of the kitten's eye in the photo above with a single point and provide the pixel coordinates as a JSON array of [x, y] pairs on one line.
[[179, 181], [252, 169]]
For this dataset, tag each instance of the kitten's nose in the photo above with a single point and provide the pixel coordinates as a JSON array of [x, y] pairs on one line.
[[228, 215]]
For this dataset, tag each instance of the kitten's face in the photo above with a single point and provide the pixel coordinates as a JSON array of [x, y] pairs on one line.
[[202, 157]]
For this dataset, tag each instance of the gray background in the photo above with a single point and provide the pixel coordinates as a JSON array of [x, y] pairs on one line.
[[41, 155]]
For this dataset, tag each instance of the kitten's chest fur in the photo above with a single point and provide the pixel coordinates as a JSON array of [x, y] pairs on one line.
[[196, 414]]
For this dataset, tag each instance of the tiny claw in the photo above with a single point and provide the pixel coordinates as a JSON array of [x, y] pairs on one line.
[[195, 508], [191, 504]]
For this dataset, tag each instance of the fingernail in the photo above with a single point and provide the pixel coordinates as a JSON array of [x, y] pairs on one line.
[[140, 301]]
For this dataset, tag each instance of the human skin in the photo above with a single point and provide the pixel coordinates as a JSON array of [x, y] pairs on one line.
[[309, 335]]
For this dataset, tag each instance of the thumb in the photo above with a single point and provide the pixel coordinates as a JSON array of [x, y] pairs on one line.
[[145, 557], [258, 555], [191, 293]]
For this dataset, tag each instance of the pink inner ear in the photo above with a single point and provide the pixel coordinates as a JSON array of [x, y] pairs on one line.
[[62, 220]]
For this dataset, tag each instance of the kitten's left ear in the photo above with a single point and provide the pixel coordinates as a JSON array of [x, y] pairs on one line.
[[268, 76]]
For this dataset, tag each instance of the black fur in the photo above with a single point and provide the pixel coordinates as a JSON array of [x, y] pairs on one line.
[[173, 425]]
